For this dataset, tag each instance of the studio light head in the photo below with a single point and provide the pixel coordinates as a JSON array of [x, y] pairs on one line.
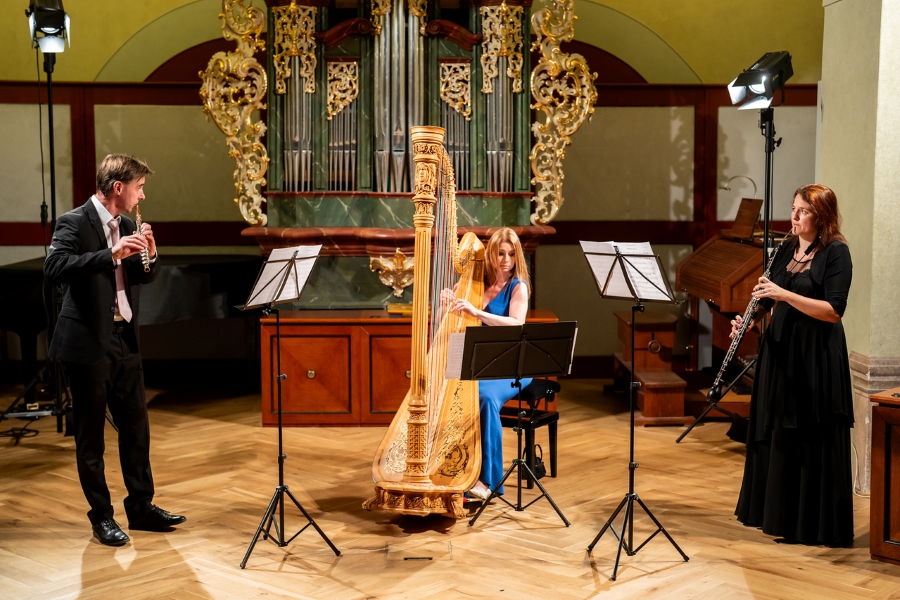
[[761, 81], [49, 25]]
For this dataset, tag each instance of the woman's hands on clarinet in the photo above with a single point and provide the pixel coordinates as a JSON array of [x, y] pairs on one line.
[[736, 325], [766, 289]]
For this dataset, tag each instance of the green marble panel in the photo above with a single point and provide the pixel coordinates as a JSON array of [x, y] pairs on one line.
[[346, 282], [448, 49], [388, 212]]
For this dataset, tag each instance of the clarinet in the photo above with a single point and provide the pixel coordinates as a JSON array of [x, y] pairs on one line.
[[749, 316], [145, 253]]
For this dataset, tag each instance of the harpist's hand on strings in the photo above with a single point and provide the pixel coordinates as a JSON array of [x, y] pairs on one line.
[[767, 289], [447, 297], [464, 306]]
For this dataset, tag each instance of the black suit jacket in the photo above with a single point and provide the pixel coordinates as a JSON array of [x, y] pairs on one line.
[[80, 260]]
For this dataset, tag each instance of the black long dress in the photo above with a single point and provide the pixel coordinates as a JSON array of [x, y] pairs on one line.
[[797, 475]]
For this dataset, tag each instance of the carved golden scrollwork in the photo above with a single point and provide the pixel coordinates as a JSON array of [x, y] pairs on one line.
[[563, 89], [395, 272], [419, 8], [455, 87], [343, 85], [502, 30], [295, 35], [234, 85], [379, 9]]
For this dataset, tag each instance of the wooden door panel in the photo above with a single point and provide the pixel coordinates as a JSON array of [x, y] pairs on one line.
[[389, 382]]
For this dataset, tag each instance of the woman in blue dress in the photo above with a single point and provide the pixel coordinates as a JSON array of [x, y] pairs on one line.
[[505, 302]]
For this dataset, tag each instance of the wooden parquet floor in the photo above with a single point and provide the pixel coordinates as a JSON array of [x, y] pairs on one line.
[[214, 463]]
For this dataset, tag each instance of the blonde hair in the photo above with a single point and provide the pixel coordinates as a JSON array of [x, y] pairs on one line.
[[492, 264]]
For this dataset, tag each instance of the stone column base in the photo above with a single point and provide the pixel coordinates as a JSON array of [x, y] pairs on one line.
[[869, 375]]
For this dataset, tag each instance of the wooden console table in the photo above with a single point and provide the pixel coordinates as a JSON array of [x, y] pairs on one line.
[[884, 507], [343, 367]]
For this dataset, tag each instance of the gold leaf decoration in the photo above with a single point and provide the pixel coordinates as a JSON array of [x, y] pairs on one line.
[[455, 87], [563, 89], [234, 85], [501, 27], [295, 35], [343, 86]]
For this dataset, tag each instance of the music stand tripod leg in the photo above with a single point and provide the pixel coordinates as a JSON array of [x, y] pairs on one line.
[[311, 522], [270, 511]]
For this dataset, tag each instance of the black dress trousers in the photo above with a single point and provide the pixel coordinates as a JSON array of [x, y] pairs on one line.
[[117, 381]]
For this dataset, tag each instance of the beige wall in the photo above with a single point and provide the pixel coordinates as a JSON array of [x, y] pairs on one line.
[[741, 151], [631, 163], [193, 173], [706, 41], [567, 287], [848, 131], [885, 310]]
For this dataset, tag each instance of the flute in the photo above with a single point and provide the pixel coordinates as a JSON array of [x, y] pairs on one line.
[[145, 253]]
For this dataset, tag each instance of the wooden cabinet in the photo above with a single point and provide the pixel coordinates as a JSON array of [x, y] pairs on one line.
[[343, 367], [884, 508]]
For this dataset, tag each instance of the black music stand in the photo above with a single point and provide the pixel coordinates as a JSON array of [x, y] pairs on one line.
[[281, 279], [517, 351], [629, 272]]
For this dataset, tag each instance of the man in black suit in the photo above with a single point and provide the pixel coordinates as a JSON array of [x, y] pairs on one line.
[[96, 256]]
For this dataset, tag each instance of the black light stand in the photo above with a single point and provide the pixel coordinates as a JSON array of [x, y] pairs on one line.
[[621, 270], [277, 501], [534, 349]]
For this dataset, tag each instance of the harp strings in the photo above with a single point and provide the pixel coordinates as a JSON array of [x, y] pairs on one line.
[[444, 276]]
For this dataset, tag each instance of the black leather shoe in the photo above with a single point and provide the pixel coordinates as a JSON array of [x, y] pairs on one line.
[[156, 519], [109, 533]]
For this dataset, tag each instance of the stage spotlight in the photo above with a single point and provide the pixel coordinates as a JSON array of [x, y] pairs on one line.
[[49, 25], [767, 75]]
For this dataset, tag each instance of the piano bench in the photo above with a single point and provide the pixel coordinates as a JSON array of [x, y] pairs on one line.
[[661, 399], [531, 421]]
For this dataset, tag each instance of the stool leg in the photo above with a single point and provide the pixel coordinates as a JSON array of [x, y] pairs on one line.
[[529, 454], [551, 429]]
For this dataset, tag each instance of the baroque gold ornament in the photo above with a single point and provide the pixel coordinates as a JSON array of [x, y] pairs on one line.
[[234, 85], [379, 9], [455, 87], [343, 86], [563, 89], [295, 35], [395, 272], [502, 30], [419, 8]]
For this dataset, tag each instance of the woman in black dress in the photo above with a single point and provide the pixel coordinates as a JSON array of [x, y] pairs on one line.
[[797, 475]]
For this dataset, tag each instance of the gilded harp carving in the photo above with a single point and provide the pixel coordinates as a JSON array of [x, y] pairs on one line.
[[431, 453]]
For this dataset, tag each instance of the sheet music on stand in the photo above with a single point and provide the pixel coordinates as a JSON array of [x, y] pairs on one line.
[[628, 271], [272, 286]]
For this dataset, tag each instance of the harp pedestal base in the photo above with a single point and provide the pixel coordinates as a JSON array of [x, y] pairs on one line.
[[417, 499]]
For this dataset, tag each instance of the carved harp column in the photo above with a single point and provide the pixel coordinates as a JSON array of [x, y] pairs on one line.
[[427, 143]]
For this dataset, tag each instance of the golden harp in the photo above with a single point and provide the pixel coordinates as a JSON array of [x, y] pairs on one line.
[[431, 453]]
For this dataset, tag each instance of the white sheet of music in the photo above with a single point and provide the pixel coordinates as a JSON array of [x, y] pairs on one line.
[[268, 286], [640, 264], [455, 355]]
